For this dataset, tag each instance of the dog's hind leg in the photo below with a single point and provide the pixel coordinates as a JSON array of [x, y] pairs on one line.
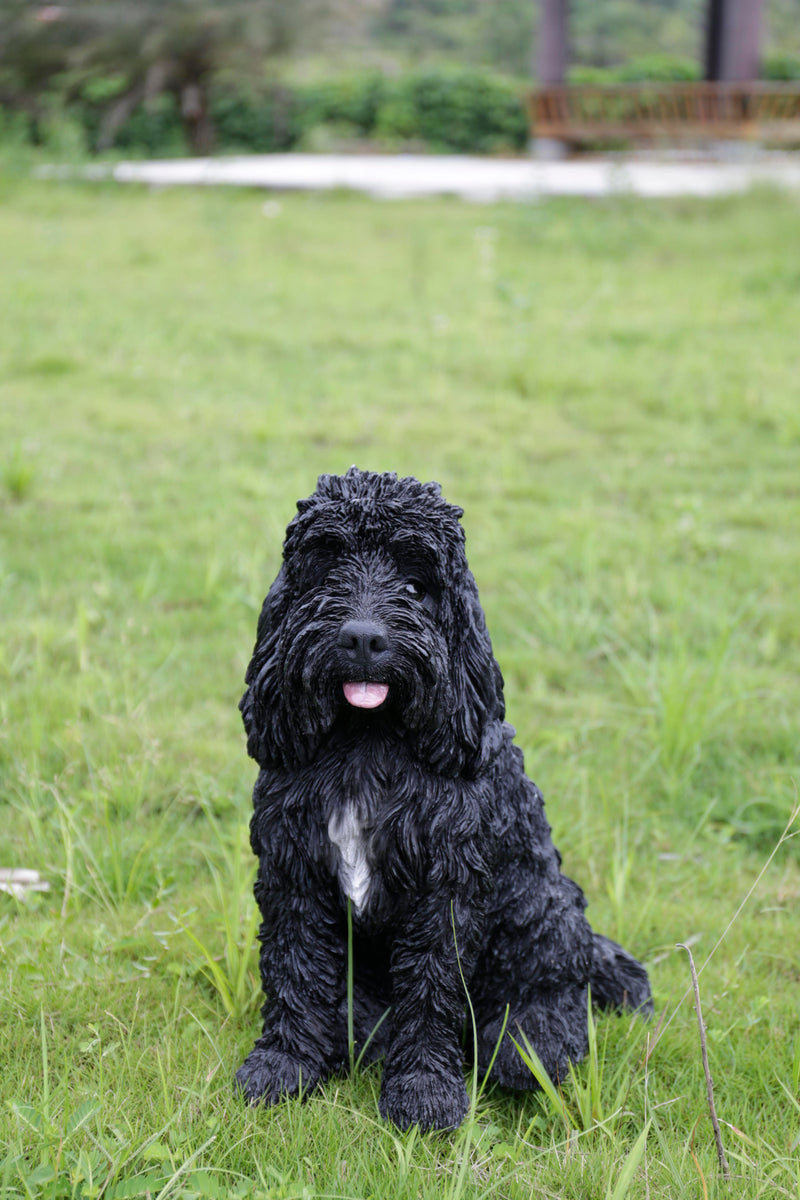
[[550, 1020], [550, 1013], [536, 964]]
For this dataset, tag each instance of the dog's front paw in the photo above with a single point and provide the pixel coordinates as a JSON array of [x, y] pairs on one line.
[[267, 1076], [425, 1098]]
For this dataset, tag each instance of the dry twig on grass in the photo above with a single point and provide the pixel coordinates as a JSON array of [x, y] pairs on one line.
[[723, 1162]]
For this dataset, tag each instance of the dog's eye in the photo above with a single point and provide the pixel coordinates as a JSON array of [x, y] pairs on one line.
[[414, 589]]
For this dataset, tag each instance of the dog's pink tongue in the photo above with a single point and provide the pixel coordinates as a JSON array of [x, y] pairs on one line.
[[365, 695]]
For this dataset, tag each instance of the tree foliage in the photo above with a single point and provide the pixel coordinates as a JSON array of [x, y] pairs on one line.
[[603, 33], [144, 49]]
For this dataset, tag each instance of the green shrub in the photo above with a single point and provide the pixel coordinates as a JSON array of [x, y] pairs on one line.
[[397, 118], [463, 110], [659, 68], [154, 128], [594, 75], [467, 111], [258, 123], [781, 67], [103, 88], [62, 134], [654, 68], [667, 68], [351, 100], [16, 135]]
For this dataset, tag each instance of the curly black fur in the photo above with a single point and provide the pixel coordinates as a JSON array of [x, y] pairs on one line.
[[417, 807]]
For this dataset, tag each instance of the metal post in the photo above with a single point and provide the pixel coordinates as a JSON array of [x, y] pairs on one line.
[[552, 42], [550, 66], [732, 53], [741, 40], [733, 39], [714, 19]]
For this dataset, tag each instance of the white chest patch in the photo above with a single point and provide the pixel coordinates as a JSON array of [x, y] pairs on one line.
[[346, 833]]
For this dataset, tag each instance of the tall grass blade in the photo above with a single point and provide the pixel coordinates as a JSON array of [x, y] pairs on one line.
[[630, 1167], [536, 1067], [351, 1044], [214, 973]]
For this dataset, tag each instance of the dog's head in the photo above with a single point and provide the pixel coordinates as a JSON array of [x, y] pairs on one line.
[[374, 617]]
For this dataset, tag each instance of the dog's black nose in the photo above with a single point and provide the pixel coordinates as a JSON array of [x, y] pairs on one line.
[[363, 641]]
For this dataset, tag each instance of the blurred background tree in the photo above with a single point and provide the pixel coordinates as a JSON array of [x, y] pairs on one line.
[[129, 54]]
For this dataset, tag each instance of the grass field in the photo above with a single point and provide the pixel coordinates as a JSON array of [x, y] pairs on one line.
[[611, 392]]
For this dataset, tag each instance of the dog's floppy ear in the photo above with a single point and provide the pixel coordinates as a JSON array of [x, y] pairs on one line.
[[266, 728], [478, 706], [470, 734]]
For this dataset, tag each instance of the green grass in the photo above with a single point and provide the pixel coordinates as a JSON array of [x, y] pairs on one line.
[[611, 392]]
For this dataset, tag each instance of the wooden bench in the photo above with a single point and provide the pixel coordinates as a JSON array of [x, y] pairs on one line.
[[767, 112]]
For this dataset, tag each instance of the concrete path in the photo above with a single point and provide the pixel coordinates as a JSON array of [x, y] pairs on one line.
[[479, 179]]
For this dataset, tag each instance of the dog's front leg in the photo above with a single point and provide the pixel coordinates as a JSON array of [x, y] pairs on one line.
[[303, 967], [423, 1081]]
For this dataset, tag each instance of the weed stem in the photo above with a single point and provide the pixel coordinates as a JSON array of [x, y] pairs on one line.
[[351, 1041], [723, 1162]]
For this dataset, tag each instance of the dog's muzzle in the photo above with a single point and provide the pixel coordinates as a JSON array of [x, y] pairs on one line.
[[364, 646]]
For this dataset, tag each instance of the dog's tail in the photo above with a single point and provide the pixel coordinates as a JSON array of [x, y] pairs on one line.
[[617, 979]]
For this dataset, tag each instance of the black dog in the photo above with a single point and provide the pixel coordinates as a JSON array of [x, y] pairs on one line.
[[374, 708]]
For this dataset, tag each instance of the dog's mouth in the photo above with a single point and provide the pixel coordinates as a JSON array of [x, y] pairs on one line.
[[365, 695]]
